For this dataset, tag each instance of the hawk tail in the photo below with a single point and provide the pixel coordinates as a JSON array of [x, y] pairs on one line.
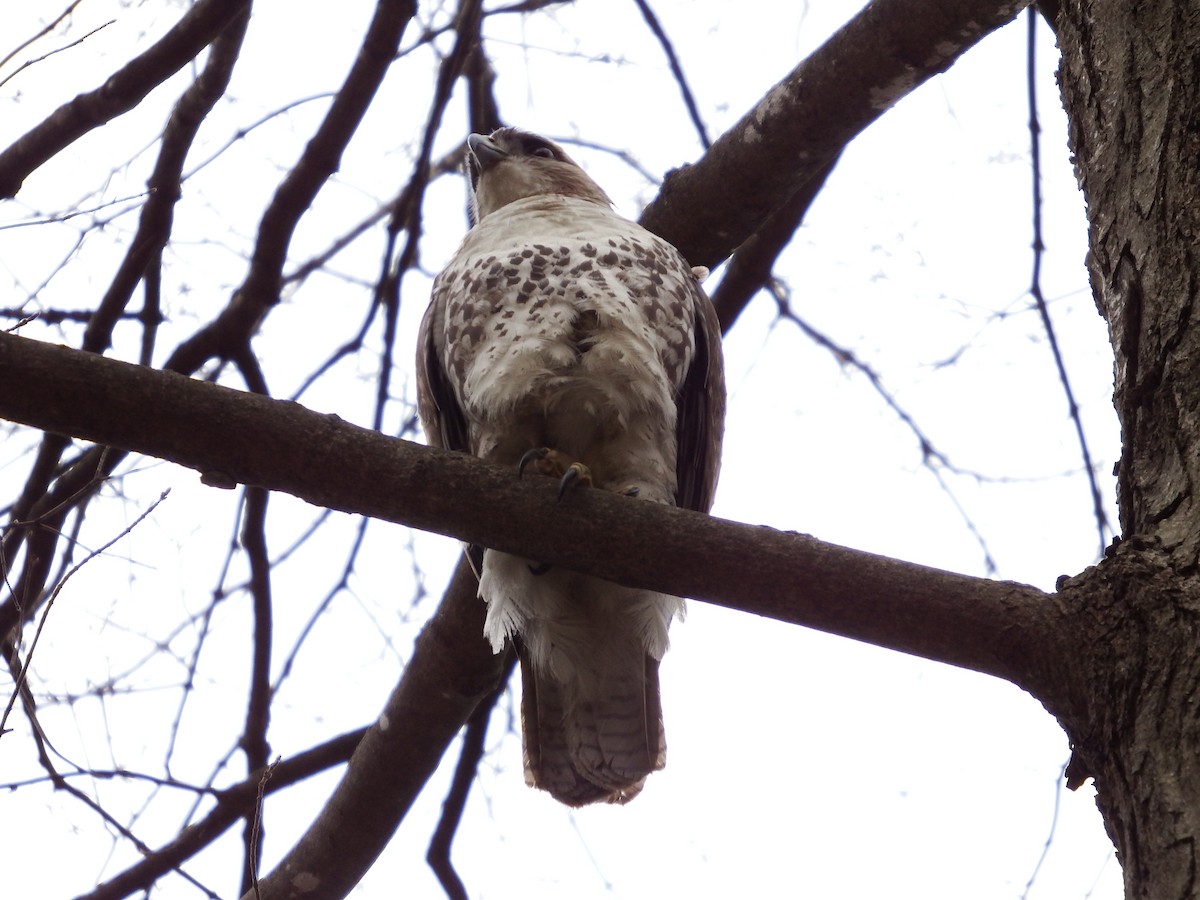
[[592, 739], [589, 651]]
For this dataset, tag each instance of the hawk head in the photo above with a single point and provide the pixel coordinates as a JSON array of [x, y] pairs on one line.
[[510, 164]]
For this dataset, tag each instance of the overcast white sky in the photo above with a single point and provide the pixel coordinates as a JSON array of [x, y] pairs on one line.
[[800, 764]]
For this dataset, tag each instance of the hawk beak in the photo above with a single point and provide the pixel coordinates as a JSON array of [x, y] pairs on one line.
[[484, 151]]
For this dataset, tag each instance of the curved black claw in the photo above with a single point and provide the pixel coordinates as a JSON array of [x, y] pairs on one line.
[[535, 455], [577, 473]]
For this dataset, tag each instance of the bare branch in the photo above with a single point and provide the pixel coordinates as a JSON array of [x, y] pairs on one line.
[[1035, 291], [260, 290], [934, 460], [32, 62], [154, 226], [460, 787], [408, 218], [38, 524], [971, 622], [258, 708], [750, 267], [1000, 628], [255, 829], [46, 29], [676, 69], [121, 93], [451, 671], [232, 804]]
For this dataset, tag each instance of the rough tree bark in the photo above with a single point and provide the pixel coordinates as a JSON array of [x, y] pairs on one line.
[[1131, 83]]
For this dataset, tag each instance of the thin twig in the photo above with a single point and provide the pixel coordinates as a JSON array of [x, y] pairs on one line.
[[50, 26], [45, 56], [676, 69], [21, 676], [232, 804], [256, 825], [1053, 824], [438, 855], [66, 216], [1035, 288], [467, 22], [124, 90], [934, 460]]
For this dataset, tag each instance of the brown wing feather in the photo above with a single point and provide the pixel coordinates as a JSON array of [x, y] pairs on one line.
[[701, 423], [442, 417], [437, 407]]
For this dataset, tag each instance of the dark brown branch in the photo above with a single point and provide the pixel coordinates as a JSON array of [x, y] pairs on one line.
[[750, 267], [685, 91], [387, 292], [989, 626], [451, 670], [321, 158], [1001, 628], [880, 56], [124, 90], [258, 707], [154, 225], [483, 111], [40, 528], [232, 804], [474, 736]]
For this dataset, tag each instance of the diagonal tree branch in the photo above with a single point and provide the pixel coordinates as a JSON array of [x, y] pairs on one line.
[[750, 267], [165, 186], [685, 91], [233, 803], [473, 749], [879, 57], [124, 90]]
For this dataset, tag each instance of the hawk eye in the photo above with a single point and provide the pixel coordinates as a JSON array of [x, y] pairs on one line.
[[542, 151]]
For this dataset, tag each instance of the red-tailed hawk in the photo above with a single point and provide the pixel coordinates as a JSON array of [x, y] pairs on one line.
[[566, 336]]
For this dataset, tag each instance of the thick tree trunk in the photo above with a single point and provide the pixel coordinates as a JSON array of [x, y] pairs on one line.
[[1130, 78], [1131, 74], [1131, 712]]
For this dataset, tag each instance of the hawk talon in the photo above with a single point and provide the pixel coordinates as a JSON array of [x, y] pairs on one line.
[[577, 473], [537, 454]]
